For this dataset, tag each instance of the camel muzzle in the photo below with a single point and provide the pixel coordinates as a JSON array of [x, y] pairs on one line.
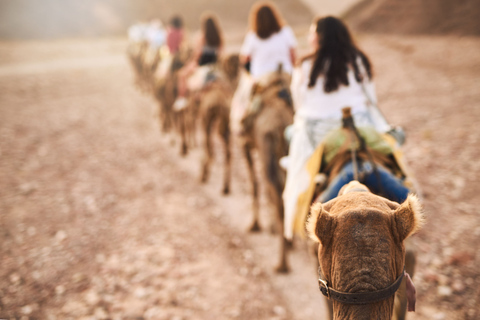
[[361, 297]]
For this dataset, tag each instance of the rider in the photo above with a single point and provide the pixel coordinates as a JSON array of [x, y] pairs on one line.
[[335, 75], [269, 43], [175, 34], [207, 50]]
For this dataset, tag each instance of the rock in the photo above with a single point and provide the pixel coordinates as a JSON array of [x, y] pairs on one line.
[[460, 258], [155, 313], [279, 311], [28, 309], [444, 291], [439, 316], [91, 204], [256, 271], [436, 262], [100, 313], [100, 258], [140, 292], [458, 286], [430, 276], [75, 309], [15, 278], [31, 231], [243, 271], [27, 188], [92, 298], [79, 277], [36, 275], [60, 236], [248, 256], [59, 290], [442, 279]]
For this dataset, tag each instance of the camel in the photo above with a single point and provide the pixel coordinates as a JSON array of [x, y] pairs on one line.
[[394, 165], [136, 52], [214, 106], [264, 131], [165, 91], [362, 251]]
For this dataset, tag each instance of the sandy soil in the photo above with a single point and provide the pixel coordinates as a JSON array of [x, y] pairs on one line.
[[101, 219]]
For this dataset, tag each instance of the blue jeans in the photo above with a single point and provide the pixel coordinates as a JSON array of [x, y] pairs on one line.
[[391, 186]]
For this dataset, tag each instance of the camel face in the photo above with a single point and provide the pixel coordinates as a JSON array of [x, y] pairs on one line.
[[361, 247]]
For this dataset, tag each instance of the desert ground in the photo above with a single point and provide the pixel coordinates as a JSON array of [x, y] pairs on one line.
[[100, 218]]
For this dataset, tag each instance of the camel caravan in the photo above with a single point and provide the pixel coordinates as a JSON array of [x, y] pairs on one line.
[[332, 165]]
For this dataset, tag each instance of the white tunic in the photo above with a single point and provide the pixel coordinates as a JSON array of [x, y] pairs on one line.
[[266, 54], [317, 113], [315, 103]]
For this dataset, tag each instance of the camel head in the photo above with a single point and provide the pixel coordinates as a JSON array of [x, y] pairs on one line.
[[361, 245], [231, 66]]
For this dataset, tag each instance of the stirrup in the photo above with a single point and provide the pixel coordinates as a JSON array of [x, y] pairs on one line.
[[180, 104]]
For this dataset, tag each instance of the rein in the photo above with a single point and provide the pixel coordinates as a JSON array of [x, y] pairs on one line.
[[349, 124], [361, 297]]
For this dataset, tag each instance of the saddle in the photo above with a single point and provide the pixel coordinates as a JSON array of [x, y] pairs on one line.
[[273, 85], [357, 146], [341, 147]]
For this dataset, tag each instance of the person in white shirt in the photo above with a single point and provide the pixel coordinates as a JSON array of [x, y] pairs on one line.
[[336, 75], [268, 44], [156, 34]]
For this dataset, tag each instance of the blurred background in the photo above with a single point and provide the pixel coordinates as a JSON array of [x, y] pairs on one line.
[[50, 19], [100, 218]]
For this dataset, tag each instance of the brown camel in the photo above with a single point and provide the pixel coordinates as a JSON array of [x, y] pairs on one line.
[[165, 91], [136, 52], [264, 131], [361, 250], [214, 107]]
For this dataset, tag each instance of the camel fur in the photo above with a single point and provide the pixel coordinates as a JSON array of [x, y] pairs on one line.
[[361, 245], [266, 135], [214, 107]]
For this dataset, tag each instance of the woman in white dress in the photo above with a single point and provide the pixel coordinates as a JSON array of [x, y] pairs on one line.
[[336, 75], [269, 43]]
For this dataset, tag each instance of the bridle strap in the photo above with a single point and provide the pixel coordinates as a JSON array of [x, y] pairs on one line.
[[356, 190], [361, 297]]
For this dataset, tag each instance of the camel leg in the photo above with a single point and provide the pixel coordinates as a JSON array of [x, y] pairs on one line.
[[400, 307], [276, 194], [208, 150], [247, 149], [225, 133], [283, 265], [183, 133]]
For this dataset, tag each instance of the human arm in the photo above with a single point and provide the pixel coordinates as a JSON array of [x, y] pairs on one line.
[[247, 48], [197, 48], [298, 85], [291, 42]]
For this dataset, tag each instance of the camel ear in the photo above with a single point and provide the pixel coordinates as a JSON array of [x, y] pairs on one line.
[[320, 224], [231, 66], [409, 217]]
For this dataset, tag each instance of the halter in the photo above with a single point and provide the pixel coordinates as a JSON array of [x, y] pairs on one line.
[[361, 297]]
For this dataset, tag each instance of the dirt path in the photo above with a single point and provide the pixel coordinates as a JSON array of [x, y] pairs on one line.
[[97, 216], [101, 218]]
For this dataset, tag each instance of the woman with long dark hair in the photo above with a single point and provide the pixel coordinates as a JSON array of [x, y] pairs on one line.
[[335, 75], [207, 50], [269, 42]]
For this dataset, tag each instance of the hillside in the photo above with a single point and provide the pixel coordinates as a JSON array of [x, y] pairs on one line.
[[459, 17]]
